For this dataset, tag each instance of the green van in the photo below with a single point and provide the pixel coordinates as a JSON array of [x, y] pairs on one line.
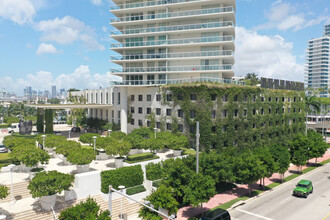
[[303, 188]]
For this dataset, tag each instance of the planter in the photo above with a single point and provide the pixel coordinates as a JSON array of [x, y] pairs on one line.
[[177, 153], [133, 151], [101, 155], [82, 168], [31, 175], [140, 151], [47, 202], [65, 161], [119, 162]]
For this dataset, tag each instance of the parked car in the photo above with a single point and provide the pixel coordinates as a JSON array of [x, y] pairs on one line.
[[3, 149], [303, 188], [217, 214], [14, 127], [57, 132], [75, 129]]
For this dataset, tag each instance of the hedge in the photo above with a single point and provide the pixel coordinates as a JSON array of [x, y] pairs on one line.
[[126, 176], [135, 189], [154, 171], [4, 125], [140, 156], [156, 183]]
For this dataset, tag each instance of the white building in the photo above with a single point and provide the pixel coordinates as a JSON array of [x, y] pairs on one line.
[[317, 65], [163, 42]]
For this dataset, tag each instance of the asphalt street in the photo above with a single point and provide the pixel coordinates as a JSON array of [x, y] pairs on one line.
[[279, 204]]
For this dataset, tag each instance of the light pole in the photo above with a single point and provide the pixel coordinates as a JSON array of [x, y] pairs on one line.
[[109, 132], [155, 129], [11, 166], [94, 137], [197, 147], [69, 134], [121, 203], [43, 141]]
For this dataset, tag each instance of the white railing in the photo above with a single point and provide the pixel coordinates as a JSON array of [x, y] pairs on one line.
[[174, 68], [177, 81], [174, 14], [173, 42], [174, 28], [173, 55]]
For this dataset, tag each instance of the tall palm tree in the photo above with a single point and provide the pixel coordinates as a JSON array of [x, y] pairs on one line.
[[311, 102]]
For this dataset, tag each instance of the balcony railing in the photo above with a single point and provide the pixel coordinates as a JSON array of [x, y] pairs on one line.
[[173, 42], [176, 81], [174, 28], [173, 55], [149, 3], [191, 68], [174, 14]]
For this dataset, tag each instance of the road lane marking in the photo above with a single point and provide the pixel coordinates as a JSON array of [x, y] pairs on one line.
[[328, 215], [256, 215], [285, 200]]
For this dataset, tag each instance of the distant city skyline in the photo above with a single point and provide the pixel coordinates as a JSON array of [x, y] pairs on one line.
[[66, 43]]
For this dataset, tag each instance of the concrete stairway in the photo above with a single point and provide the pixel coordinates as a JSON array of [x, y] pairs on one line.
[[20, 192]]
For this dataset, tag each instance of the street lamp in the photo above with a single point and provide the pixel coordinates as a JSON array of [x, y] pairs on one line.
[[197, 147], [11, 166], [94, 137], [121, 203], [69, 134], [155, 129], [109, 132], [43, 141]]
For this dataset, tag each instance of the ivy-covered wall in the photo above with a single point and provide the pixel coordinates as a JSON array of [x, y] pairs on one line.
[[230, 115], [49, 118]]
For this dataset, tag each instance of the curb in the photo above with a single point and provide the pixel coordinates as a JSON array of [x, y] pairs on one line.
[[240, 203]]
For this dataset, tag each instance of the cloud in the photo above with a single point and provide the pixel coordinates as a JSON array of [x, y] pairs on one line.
[[268, 56], [284, 16], [18, 11], [46, 49], [67, 30], [96, 2], [80, 78]]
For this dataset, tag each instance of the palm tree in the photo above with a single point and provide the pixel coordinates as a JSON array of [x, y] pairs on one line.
[[311, 102]]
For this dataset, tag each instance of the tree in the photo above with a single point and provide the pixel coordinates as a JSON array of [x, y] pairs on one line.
[[30, 155], [161, 198], [176, 175], [65, 147], [311, 102], [265, 156], [200, 189], [49, 183], [317, 147], [88, 209], [281, 157], [49, 117], [51, 140], [252, 79], [88, 138], [299, 150], [248, 168], [81, 157], [4, 191]]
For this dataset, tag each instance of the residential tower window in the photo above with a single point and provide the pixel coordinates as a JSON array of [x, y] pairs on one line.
[[140, 98]]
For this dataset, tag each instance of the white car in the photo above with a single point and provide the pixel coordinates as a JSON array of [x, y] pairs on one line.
[[3, 149], [13, 128]]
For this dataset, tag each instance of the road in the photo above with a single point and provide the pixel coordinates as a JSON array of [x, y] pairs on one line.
[[279, 204]]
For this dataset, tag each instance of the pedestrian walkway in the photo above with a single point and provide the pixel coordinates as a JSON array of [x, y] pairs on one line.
[[20, 191], [189, 211]]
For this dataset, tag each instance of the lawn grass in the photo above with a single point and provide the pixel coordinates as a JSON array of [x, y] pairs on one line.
[[24, 136], [87, 147], [186, 151], [4, 156], [137, 161]]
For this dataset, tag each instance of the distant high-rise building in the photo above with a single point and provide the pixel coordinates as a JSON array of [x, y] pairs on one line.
[[317, 65], [53, 92], [28, 91], [46, 93]]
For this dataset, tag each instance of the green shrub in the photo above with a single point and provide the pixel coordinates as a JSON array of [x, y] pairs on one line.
[[156, 183], [10, 119], [49, 183], [142, 156], [49, 121], [4, 191], [85, 210], [126, 176], [30, 155], [4, 125], [88, 138], [51, 140], [81, 157], [135, 189], [11, 142], [65, 147], [154, 171]]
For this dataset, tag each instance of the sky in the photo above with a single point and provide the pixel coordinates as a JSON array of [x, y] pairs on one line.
[[66, 42]]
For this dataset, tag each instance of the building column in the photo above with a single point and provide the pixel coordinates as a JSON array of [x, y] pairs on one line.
[[123, 111]]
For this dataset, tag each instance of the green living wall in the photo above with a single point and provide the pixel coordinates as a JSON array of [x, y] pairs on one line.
[[231, 115], [49, 118]]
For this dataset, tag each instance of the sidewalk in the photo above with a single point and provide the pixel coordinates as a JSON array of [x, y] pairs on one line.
[[189, 211]]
